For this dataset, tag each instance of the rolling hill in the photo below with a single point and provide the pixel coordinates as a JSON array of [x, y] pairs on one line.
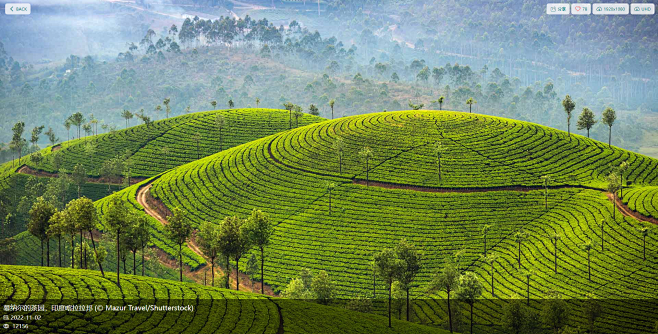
[[491, 169], [213, 310]]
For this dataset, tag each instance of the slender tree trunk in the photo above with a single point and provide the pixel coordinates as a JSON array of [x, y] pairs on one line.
[[589, 267], [555, 251], [390, 287], [449, 313], [471, 318], [485, 244], [439, 170], [519, 255], [81, 249], [610, 137], [644, 247], [528, 291], [124, 265], [262, 267], [72, 251], [492, 279], [602, 238], [42, 252], [367, 172], [180, 260], [228, 272], [212, 272], [47, 252], [59, 250], [407, 304], [587, 132], [134, 266], [93, 243], [118, 258], [143, 259], [237, 273]]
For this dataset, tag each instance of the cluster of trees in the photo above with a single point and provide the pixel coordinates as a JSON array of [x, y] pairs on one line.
[[231, 238], [308, 286], [587, 119]]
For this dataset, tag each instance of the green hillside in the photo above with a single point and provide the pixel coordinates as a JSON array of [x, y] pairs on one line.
[[214, 310], [144, 150], [491, 175]]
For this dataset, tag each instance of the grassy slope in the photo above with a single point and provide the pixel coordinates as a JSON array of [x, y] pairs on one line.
[[481, 151], [215, 310]]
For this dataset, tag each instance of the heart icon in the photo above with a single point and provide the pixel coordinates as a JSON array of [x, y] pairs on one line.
[[577, 8]]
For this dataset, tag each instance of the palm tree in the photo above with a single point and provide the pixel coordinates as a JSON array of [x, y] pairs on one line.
[[623, 167], [519, 237], [197, 138], [440, 102], [438, 150], [331, 104], [609, 117], [587, 246], [339, 147], [166, 103], [602, 233], [527, 274], [555, 237], [546, 179], [257, 102], [231, 104], [67, 125], [471, 101], [485, 230], [213, 103], [491, 260], [126, 114], [613, 187], [367, 154], [289, 106], [569, 106], [644, 232]]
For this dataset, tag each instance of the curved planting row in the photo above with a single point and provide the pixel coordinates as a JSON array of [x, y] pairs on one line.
[[285, 175], [643, 200], [477, 151], [213, 310], [144, 144]]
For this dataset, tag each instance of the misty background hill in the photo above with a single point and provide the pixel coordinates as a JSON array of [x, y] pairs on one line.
[[100, 57]]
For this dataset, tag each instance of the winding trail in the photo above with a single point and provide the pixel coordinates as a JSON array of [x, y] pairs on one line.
[[157, 210], [626, 211]]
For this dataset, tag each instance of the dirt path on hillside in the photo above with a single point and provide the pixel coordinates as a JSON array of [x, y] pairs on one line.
[[626, 211], [101, 180], [158, 210]]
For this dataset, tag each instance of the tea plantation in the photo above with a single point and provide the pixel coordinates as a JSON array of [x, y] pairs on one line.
[[212, 310], [491, 171]]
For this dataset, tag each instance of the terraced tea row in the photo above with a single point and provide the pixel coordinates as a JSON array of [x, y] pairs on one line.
[[477, 151], [285, 175], [643, 200], [206, 309]]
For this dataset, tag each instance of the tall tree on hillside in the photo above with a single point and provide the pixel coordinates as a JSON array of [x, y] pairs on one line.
[[366, 153], [602, 233], [586, 120], [644, 232], [491, 260], [546, 179], [471, 101], [388, 266], [40, 215], [568, 106], [226, 242], [485, 230], [415, 106], [127, 115], [167, 108], [67, 126], [57, 228], [179, 230], [208, 238], [555, 238], [289, 106], [440, 102], [220, 124], [614, 184], [446, 280], [141, 233], [165, 154], [17, 141], [34, 139], [78, 120], [409, 266], [623, 167], [213, 103], [587, 246], [519, 238], [231, 104], [79, 177], [257, 102], [296, 114], [83, 212], [339, 148], [609, 117], [52, 137], [313, 110], [470, 289], [332, 102], [527, 274], [439, 150], [116, 219], [197, 139]]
